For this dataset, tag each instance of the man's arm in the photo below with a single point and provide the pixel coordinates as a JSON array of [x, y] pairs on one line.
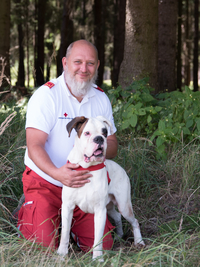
[[112, 146], [36, 140]]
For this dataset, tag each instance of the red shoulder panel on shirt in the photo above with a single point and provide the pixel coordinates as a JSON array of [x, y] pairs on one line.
[[98, 88], [49, 84]]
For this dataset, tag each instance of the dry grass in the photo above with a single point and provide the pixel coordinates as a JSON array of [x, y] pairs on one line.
[[6, 122], [2, 75]]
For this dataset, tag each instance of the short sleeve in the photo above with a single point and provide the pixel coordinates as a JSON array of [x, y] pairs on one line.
[[41, 110]]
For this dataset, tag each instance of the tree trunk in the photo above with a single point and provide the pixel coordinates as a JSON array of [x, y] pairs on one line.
[[141, 39], [27, 42], [99, 35], [84, 16], [66, 33], [4, 42], [179, 46], [196, 44], [167, 45], [119, 38], [187, 46], [40, 43], [35, 40], [21, 71]]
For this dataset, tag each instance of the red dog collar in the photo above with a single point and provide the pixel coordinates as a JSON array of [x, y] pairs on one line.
[[93, 168]]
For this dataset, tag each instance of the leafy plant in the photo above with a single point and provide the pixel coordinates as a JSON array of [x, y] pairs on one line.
[[138, 108], [179, 118], [165, 119]]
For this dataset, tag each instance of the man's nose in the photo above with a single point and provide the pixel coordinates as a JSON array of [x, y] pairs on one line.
[[84, 67]]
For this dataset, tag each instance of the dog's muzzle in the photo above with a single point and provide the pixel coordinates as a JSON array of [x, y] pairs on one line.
[[99, 152], [98, 140]]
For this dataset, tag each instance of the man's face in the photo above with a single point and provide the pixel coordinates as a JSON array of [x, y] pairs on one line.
[[80, 66]]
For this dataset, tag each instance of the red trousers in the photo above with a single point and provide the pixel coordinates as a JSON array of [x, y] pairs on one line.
[[39, 217]]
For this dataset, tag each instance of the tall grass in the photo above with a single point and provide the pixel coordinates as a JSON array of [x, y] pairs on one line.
[[175, 249], [12, 147], [165, 197]]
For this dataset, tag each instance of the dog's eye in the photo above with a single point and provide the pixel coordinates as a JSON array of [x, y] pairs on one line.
[[105, 132], [87, 133]]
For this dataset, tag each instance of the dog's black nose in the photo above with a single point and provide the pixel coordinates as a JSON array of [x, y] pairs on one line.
[[98, 140]]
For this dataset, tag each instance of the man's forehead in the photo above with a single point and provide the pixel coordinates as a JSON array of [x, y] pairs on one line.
[[79, 51]]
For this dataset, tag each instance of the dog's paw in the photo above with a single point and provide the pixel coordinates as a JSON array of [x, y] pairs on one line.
[[98, 255], [62, 251], [99, 258], [140, 244]]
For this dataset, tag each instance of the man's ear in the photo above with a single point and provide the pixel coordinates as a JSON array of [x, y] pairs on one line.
[[76, 124], [98, 63], [64, 62]]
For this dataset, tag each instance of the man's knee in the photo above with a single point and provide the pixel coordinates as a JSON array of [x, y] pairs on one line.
[[35, 222]]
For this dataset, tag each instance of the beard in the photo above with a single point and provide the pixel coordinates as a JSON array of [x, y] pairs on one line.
[[79, 89]]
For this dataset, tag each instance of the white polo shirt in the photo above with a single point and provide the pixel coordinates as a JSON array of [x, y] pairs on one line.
[[50, 109]]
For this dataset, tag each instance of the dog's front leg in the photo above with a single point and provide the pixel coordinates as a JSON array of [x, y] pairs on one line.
[[65, 232], [99, 226]]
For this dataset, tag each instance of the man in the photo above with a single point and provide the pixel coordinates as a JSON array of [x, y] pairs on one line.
[[50, 108]]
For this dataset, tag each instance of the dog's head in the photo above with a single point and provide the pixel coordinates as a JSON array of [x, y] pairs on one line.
[[91, 138]]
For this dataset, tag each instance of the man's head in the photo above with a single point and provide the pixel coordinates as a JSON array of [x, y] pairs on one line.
[[80, 67]]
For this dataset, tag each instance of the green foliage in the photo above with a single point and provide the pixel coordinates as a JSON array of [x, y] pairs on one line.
[[106, 87], [136, 107], [179, 118], [165, 119]]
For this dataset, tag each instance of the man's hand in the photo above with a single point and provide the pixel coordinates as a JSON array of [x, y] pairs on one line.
[[67, 174]]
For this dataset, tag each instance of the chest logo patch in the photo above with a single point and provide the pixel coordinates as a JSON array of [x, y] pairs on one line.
[[65, 116]]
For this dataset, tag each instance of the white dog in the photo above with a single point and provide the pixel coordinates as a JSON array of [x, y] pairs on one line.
[[97, 197]]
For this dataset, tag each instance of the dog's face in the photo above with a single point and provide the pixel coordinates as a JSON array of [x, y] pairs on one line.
[[91, 137]]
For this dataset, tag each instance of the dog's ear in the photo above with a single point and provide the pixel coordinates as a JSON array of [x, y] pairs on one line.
[[76, 124], [104, 120]]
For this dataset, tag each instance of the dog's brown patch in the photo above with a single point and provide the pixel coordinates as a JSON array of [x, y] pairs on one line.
[[76, 124], [80, 130]]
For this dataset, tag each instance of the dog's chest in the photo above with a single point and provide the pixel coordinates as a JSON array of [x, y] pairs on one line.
[[91, 196]]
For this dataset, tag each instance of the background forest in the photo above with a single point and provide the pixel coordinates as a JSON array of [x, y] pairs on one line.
[[148, 51], [135, 39]]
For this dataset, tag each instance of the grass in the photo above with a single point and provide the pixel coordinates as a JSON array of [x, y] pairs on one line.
[[175, 249], [165, 197]]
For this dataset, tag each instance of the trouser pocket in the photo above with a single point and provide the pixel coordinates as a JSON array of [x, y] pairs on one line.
[[25, 219]]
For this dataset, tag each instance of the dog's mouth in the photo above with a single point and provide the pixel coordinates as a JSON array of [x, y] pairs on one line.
[[98, 153]]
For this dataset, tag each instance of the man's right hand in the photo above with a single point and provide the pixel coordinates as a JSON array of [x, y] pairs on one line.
[[67, 174]]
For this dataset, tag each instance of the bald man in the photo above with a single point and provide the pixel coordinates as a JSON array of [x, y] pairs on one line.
[[49, 110]]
